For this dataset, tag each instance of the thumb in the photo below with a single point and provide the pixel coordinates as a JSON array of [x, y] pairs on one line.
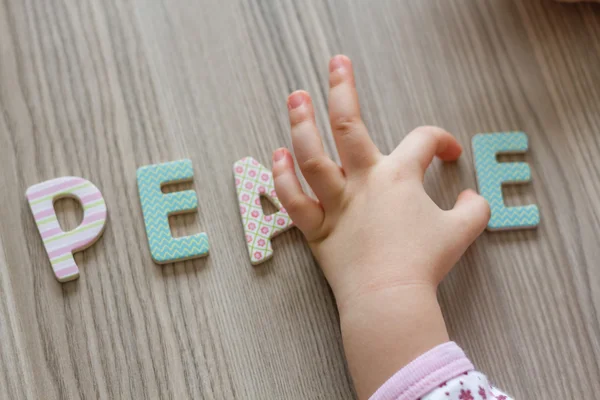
[[472, 214]]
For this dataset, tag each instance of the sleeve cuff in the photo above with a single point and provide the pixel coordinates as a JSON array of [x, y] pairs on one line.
[[425, 373]]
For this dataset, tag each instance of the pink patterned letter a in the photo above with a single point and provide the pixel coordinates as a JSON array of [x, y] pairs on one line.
[[253, 180]]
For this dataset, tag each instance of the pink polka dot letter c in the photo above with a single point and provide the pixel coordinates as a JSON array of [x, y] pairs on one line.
[[252, 181]]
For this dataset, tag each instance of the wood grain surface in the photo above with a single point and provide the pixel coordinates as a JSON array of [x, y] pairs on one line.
[[98, 88]]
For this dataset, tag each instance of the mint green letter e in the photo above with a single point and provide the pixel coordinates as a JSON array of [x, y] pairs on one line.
[[157, 206], [491, 175]]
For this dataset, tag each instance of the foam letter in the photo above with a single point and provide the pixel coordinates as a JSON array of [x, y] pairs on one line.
[[157, 206], [61, 245], [491, 175], [253, 180]]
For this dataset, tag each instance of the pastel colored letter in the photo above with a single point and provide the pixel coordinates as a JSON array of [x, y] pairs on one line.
[[61, 245], [253, 180], [491, 175], [157, 206]]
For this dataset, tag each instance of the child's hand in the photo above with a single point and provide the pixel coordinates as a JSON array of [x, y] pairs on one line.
[[382, 243]]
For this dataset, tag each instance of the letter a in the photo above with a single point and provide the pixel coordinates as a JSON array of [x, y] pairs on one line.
[[253, 180]]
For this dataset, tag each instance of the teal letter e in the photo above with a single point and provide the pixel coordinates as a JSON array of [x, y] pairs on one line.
[[157, 206], [491, 175]]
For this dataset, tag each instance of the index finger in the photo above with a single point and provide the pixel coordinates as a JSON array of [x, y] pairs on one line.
[[420, 146]]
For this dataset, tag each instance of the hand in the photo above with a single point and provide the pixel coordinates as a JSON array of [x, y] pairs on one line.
[[382, 243]]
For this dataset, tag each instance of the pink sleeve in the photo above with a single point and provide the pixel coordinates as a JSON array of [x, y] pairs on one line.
[[444, 372]]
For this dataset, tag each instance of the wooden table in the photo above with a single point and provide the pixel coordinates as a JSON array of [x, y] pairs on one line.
[[98, 88]]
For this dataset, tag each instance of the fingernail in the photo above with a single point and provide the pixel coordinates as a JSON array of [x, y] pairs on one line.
[[337, 63], [295, 100], [278, 155]]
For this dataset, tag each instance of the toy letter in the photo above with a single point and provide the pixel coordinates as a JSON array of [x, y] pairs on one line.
[[61, 245], [157, 206], [491, 175], [253, 180]]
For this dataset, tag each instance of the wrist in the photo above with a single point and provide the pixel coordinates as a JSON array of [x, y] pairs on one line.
[[385, 329], [356, 285]]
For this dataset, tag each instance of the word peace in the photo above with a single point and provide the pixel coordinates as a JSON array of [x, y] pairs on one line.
[[252, 180]]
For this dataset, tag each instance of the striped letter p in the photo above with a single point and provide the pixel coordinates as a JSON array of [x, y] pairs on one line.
[[61, 245]]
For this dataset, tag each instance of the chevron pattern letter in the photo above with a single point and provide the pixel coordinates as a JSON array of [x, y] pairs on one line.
[[157, 206], [253, 180], [491, 175]]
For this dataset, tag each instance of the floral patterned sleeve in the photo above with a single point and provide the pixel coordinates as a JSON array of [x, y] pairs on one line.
[[443, 373], [471, 385]]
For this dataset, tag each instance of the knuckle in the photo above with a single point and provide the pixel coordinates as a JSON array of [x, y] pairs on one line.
[[463, 221], [403, 172], [476, 220], [300, 118], [281, 173], [346, 125], [294, 205], [430, 129], [277, 173], [314, 166], [432, 132]]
